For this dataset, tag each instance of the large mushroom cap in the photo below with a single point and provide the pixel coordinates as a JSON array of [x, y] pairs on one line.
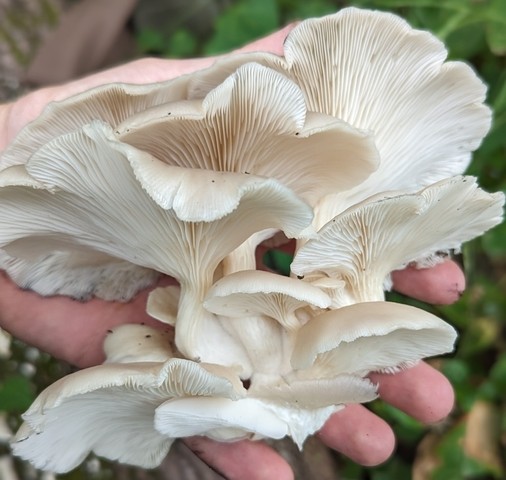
[[362, 245], [372, 336], [109, 410], [100, 193], [373, 71], [111, 103], [313, 154]]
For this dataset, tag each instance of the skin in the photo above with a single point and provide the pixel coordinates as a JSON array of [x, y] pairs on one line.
[[74, 331]]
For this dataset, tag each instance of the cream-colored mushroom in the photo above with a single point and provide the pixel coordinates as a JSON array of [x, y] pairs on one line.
[[132, 343], [366, 337], [256, 292], [256, 122], [365, 243], [109, 409], [373, 71], [112, 103], [163, 303]]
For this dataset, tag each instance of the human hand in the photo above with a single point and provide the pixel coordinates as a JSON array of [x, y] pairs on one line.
[[75, 331]]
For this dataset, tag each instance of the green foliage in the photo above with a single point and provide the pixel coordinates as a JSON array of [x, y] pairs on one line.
[[16, 394], [243, 21]]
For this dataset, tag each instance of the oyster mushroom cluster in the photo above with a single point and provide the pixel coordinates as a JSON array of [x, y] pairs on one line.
[[354, 142]]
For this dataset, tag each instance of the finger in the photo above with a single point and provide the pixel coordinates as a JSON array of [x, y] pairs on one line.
[[67, 329], [244, 460], [360, 435], [422, 392], [440, 285]]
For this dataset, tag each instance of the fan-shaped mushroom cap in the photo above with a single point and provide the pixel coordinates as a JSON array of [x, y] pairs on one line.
[[111, 103], [366, 242], [312, 393], [373, 71], [245, 418], [96, 201], [137, 343], [371, 336], [163, 303], [256, 122], [255, 292], [109, 410], [218, 418]]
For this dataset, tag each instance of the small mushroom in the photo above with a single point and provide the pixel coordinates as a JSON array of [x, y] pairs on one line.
[[255, 292], [367, 337], [163, 304], [365, 243]]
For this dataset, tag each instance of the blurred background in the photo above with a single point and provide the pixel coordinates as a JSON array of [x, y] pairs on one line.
[[49, 41]]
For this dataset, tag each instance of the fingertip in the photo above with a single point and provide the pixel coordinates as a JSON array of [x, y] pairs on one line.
[[442, 284], [439, 400], [360, 435], [421, 391], [241, 460]]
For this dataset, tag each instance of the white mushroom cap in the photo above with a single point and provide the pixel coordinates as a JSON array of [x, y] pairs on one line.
[[427, 115], [255, 292], [163, 303], [372, 336], [109, 410], [373, 71], [137, 343], [218, 418], [100, 185], [111, 103], [256, 122], [228, 420], [313, 393], [365, 243], [77, 272]]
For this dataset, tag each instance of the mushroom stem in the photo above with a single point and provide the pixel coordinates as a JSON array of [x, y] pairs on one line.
[[243, 257], [366, 288], [269, 346], [199, 334]]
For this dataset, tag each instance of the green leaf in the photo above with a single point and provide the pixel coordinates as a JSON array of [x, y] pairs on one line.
[[316, 8], [500, 99], [16, 394], [244, 21], [494, 242], [498, 375], [496, 37], [149, 40], [181, 44], [278, 261]]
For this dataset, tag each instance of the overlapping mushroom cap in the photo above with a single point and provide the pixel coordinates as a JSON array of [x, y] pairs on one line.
[[362, 130], [375, 72]]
